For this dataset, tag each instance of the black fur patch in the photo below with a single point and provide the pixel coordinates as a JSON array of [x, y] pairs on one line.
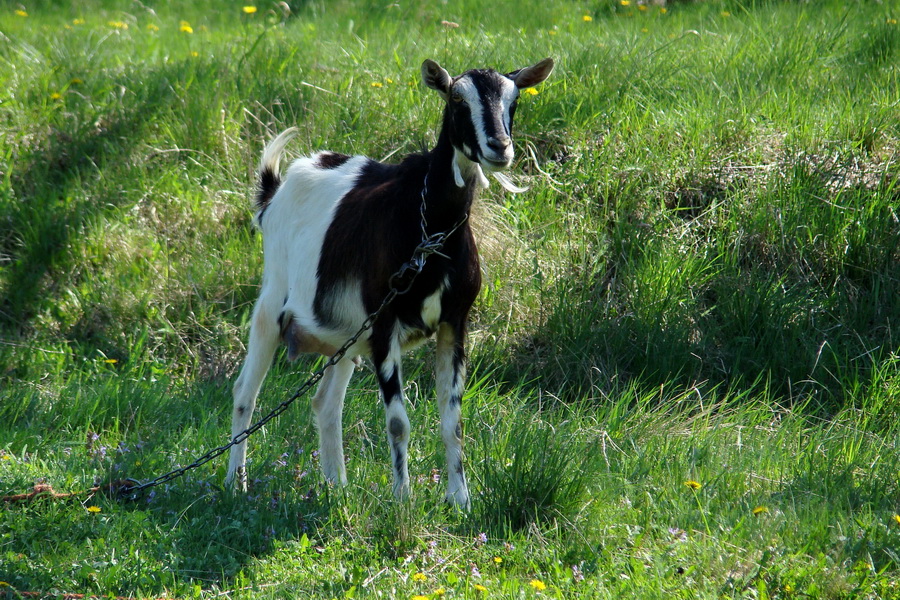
[[269, 182], [395, 428], [331, 160]]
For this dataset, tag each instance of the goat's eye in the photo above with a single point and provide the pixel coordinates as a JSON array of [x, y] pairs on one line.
[[456, 97]]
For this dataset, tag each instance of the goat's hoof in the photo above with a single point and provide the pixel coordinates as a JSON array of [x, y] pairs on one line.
[[459, 500]]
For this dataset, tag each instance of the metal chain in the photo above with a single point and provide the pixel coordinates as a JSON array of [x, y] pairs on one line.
[[401, 282]]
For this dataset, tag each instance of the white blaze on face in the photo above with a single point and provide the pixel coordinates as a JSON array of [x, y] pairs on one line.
[[491, 117]]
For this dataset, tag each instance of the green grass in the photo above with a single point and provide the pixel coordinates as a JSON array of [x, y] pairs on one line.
[[702, 284]]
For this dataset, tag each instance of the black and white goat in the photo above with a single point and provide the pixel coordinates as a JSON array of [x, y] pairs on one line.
[[335, 230]]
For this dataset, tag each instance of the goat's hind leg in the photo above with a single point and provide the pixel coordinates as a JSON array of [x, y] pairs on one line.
[[328, 405], [450, 379], [264, 332]]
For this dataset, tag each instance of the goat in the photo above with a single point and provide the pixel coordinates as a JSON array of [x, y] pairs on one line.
[[335, 230]]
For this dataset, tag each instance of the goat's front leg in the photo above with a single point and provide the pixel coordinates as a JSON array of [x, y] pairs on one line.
[[263, 342], [450, 379], [328, 404], [387, 367]]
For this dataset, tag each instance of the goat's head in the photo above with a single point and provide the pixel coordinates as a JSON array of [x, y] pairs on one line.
[[481, 104]]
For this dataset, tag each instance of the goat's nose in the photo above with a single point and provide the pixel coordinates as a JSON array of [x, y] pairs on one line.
[[500, 143]]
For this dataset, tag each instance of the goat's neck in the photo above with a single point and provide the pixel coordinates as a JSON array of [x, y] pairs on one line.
[[453, 181]]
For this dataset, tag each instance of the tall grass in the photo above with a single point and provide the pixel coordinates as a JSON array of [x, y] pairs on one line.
[[701, 285]]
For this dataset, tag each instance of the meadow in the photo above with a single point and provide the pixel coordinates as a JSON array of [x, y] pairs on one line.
[[684, 368]]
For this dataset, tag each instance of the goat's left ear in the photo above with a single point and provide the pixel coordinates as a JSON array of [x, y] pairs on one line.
[[436, 77], [533, 75]]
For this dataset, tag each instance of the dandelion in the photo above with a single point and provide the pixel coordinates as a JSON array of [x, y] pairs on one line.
[[497, 560], [897, 519], [93, 509], [55, 96], [377, 84], [194, 53], [587, 18], [152, 27], [420, 597], [78, 21], [21, 13], [538, 585], [249, 10], [118, 25], [420, 577], [644, 30], [663, 10], [531, 91], [480, 588], [185, 27], [625, 2], [642, 8], [891, 21], [439, 592], [760, 510], [694, 485]]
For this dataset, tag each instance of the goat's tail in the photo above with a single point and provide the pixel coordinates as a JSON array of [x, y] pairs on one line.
[[269, 173]]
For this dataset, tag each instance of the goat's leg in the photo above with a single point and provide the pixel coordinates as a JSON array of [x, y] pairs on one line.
[[328, 405], [387, 367], [450, 379], [263, 342]]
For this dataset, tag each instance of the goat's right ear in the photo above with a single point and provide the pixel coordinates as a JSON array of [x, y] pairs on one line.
[[435, 77]]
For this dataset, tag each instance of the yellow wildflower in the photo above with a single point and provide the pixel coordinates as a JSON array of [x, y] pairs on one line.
[[531, 91], [194, 53], [897, 519], [118, 24], [93, 509], [55, 96], [892, 21], [760, 510], [625, 2], [725, 13], [552, 32], [249, 10], [377, 84], [440, 592], [420, 597], [642, 7], [587, 18], [537, 584], [497, 560], [694, 485], [420, 577], [644, 30], [78, 21], [480, 588], [152, 27], [21, 13], [185, 27], [663, 10]]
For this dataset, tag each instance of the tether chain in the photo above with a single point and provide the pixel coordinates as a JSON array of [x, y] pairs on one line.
[[430, 244]]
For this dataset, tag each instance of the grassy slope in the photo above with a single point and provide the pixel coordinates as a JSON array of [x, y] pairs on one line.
[[706, 274]]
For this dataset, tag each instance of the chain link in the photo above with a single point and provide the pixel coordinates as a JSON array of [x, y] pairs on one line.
[[400, 283]]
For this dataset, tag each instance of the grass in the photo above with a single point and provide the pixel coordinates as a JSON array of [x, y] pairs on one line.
[[702, 285]]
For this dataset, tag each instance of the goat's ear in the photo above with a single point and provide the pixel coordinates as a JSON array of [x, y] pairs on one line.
[[435, 77], [533, 75]]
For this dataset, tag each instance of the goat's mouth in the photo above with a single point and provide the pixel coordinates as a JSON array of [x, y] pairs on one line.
[[490, 164]]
